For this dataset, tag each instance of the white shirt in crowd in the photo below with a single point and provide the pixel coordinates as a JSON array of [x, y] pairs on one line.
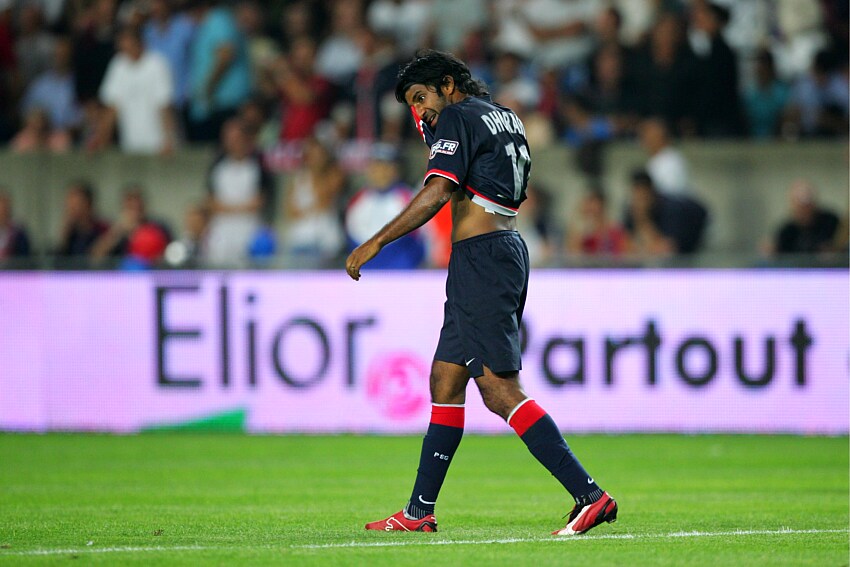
[[233, 183], [407, 21], [669, 171], [317, 233], [517, 18], [138, 91]]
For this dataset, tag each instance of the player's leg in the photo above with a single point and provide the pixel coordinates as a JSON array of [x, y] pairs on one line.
[[448, 381], [503, 395], [448, 394]]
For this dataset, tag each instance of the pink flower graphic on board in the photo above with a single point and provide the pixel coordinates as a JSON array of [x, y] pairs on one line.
[[398, 384]]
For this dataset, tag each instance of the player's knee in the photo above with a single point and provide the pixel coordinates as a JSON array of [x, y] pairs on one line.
[[447, 388], [500, 393], [493, 402], [494, 399]]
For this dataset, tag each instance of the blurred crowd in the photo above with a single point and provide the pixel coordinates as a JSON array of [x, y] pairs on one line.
[[150, 75], [324, 213], [302, 91]]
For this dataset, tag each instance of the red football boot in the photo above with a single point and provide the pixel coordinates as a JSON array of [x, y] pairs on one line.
[[399, 523], [584, 518]]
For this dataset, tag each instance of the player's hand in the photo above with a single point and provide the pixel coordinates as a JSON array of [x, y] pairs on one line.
[[360, 256]]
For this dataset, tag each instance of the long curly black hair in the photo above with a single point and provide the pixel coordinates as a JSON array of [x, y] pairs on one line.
[[430, 68]]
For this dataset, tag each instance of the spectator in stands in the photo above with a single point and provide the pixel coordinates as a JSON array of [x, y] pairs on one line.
[[606, 28], [134, 233], [383, 197], [377, 115], [636, 19], [664, 72], [338, 56], [37, 134], [53, 92], [91, 126], [665, 164], [262, 49], [797, 34], [535, 225], [95, 30], [301, 18], [450, 21], [34, 43], [587, 131], [717, 106], [661, 224], [612, 87], [305, 97], [133, 13], [405, 20], [841, 242], [835, 22], [765, 99], [170, 34], [555, 32], [14, 241], [240, 190], [550, 94], [8, 71], [219, 70], [511, 81], [137, 95], [819, 99], [81, 226], [592, 232], [810, 227], [313, 229], [255, 114], [190, 249]]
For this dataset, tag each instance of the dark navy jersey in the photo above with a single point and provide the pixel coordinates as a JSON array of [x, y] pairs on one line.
[[481, 146]]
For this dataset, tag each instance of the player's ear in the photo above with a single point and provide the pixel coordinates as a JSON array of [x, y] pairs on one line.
[[448, 86]]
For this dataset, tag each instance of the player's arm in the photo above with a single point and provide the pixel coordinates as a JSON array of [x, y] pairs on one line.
[[427, 203]]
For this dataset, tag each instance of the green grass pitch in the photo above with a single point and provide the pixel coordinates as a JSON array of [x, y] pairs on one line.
[[229, 499]]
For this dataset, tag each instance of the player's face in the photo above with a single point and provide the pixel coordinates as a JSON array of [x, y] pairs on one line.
[[427, 102]]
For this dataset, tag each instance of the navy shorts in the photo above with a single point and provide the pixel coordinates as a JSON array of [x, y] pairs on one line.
[[485, 297]]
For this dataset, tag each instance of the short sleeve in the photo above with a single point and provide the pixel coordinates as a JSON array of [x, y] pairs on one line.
[[452, 150]]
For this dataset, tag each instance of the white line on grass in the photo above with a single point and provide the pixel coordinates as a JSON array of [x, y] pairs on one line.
[[125, 549], [693, 534]]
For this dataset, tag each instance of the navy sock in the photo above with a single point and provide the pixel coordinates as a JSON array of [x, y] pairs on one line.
[[539, 432], [438, 448]]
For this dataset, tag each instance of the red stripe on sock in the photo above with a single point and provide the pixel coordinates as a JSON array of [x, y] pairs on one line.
[[526, 416], [448, 416]]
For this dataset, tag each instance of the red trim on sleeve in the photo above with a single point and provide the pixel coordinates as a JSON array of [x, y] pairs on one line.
[[526, 416], [451, 416], [441, 173]]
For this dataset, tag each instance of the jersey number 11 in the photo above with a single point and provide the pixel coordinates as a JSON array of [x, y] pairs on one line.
[[519, 161]]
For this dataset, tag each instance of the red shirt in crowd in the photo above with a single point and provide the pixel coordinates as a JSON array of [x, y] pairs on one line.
[[299, 118]]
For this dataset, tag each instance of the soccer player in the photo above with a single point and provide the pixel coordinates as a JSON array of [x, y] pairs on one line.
[[480, 162]]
